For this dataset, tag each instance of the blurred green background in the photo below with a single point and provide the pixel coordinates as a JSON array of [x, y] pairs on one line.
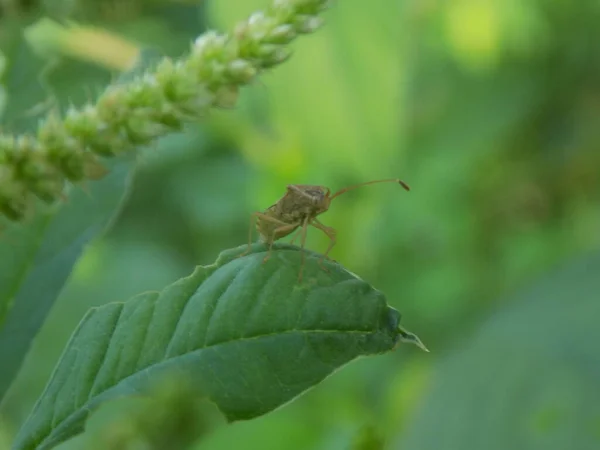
[[490, 111]]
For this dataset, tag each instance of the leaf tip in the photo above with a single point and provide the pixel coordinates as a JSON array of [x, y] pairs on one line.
[[407, 336]]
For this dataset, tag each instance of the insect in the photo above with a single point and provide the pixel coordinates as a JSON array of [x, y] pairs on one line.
[[299, 208]]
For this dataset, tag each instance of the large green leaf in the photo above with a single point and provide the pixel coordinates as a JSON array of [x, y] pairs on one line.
[[246, 332], [529, 379]]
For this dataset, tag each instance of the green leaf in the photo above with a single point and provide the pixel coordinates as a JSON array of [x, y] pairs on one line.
[[529, 377], [25, 88], [250, 336], [37, 259], [38, 256]]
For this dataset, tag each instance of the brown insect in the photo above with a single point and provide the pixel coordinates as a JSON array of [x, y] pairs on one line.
[[299, 207]]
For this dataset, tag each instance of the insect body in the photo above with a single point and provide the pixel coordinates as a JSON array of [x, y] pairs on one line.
[[299, 208]]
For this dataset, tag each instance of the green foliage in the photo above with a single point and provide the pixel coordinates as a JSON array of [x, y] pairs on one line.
[[38, 259], [43, 251], [489, 110], [368, 439], [173, 416], [247, 334], [529, 376], [39, 255], [23, 83], [2, 89], [151, 105]]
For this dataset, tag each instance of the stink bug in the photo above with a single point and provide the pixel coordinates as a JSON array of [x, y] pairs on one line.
[[299, 207]]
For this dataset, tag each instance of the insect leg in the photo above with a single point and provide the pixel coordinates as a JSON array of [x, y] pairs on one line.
[[271, 219], [252, 221], [302, 243], [295, 236], [281, 229], [253, 218], [331, 234]]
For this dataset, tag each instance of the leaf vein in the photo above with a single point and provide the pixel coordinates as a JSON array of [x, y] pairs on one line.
[[110, 341], [145, 338]]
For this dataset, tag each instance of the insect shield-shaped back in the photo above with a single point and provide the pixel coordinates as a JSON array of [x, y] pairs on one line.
[[300, 204], [303, 201]]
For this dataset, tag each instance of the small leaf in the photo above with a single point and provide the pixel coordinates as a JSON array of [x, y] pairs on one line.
[[250, 336]]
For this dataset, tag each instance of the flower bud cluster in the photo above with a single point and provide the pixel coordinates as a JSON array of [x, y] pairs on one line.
[[151, 105]]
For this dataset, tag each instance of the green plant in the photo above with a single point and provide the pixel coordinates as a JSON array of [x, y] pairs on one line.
[[247, 333], [154, 103]]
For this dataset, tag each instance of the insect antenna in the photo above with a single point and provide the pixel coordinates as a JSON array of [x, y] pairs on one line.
[[390, 180]]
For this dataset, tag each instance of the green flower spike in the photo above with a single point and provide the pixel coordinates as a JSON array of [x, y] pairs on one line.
[[151, 105]]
